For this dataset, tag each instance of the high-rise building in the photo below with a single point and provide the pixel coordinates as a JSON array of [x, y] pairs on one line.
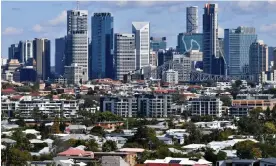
[[164, 56], [27, 50], [90, 59], [189, 41], [158, 43], [192, 19], [124, 54], [102, 46], [258, 59], [60, 52], [142, 43], [42, 56], [153, 57], [270, 54], [77, 44], [237, 43], [14, 52], [21, 51], [213, 62], [274, 58]]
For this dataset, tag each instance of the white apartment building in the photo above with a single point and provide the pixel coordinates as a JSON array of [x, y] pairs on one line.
[[142, 43], [206, 105], [170, 76], [51, 108]]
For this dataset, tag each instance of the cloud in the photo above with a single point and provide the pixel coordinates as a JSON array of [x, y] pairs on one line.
[[60, 19], [253, 7], [12, 31], [37, 28], [268, 28]]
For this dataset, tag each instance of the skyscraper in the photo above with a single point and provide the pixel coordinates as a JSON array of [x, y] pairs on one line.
[[187, 42], [77, 45], [274, 58], [60, 52], [237, 43], [270, 54], [125, 54], [14, 52], [192, 19], [142, 43], [102, 46], [213, 63], [258, 59], [42, 56], [158, 43], [27, 50]]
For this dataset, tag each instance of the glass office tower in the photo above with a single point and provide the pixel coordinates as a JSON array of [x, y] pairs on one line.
[[102, 46], [237, 44]]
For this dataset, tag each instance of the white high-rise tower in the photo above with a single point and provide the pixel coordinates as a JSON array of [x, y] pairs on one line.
[[142, 43], [76, 60]]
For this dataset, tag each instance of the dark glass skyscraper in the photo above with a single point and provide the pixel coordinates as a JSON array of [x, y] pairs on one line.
[[102, 46], [60, 52], [213, 62]]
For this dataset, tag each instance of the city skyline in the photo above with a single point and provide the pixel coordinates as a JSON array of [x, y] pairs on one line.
[[31, 26]]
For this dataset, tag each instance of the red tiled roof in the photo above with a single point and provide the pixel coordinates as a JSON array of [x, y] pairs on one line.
[[8, 91], [75, 152]]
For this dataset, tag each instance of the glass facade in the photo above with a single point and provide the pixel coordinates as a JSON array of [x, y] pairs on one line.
[[189, 41], [158, 43], [102, 46], [236, 49]]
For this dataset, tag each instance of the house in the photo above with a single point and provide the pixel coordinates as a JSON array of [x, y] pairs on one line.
[[113, 160], [180, 161], [77, 129], [76, 152], [129, 157], [268, 162], [110, 125], [237, 162], [166, 140], [193, 147]]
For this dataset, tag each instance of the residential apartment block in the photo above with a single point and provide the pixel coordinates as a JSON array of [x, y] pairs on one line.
[[206, 105], [147, 105]]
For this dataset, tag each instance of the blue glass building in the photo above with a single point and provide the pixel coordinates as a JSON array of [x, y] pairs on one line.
[[237, 44], [158, 43], [102, 46], [189, 41]]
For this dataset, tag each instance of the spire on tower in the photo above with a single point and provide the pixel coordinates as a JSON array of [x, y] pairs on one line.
[[78, 5]]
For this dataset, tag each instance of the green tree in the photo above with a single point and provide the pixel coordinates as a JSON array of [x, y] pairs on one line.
[[238, 83], [195, 134], [248, 150], [97, 130], [18, 157], [146, 137], [109, 146], [226, 100], [55, 128], [269, 128], [22, 142], [92, 145], [30, 136]]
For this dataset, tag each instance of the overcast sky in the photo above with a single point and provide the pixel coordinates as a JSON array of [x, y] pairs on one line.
[[28, 20]]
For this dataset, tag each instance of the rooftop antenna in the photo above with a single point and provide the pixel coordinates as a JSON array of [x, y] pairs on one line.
[[78, 5]]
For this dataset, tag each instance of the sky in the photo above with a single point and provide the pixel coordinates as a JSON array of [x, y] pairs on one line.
[[29, 20]]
